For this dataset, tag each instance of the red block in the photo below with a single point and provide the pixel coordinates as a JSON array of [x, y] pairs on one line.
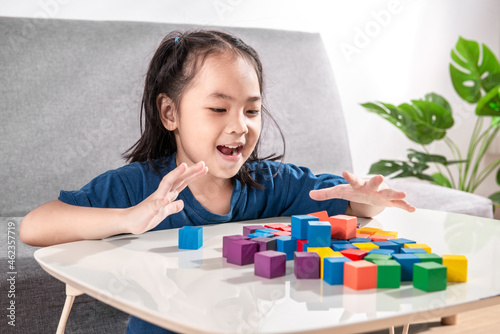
[[322, 215], [360, 275], [281, 233], [276, 226], [343, 226], [354, 254], [300, 244]]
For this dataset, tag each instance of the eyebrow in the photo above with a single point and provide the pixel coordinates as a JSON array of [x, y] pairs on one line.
[[218, 95]]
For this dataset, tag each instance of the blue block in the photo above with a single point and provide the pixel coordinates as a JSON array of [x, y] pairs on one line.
[[299, 226], [360, 240], [388, 245], [333, 269], [412, 250], [339, 241], [287, 245], [260, 234], [190, 237], [401, 242], [381, 251], [266, 230], [339, 247], [319, 234], [406, 261]]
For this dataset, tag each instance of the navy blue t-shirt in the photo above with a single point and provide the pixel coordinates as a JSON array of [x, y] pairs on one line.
[[285, 193]]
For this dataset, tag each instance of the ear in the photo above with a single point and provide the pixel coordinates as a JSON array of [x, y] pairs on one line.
[[168, 113]]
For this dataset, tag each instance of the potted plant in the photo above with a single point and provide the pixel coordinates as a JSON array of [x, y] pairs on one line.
[[475, 74]]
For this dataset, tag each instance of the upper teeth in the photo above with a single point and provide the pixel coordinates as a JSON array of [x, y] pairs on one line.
[[233, 147]]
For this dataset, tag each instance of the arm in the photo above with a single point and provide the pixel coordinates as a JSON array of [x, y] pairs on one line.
[[367, 198], [56, 222]]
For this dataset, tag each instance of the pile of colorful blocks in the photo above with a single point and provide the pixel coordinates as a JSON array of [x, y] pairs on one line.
[[336, 250]]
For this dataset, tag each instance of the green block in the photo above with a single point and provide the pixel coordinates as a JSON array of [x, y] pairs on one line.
[[429, 276], [377, 257], [426, 257], [388, 274]]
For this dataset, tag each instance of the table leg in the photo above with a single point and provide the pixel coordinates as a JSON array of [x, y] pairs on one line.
[[391, 330], [451, 320], [406, 327], [71, 293]]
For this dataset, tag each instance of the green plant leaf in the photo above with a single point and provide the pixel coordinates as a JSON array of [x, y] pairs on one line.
[[438, 99], [421, 157], [495, 198], [422, 121], [399, 169], [441, 180], [491, 81], [472, 65], [498, 176], [489, 105]]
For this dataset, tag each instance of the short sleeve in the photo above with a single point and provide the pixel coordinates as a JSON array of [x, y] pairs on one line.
[[105, 191]]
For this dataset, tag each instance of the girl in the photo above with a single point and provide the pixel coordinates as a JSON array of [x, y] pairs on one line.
[[197, 161]]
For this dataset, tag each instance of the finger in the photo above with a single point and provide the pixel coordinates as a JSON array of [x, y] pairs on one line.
[[353, 180], [392, 194], [375, 182], [168, 180], [179, 187], [325, 194], [191, 172], [402, 204]]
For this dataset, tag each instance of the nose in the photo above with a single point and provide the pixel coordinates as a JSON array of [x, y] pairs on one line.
[[237, 124]]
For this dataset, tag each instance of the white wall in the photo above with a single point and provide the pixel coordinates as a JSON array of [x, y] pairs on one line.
[[406, 55]]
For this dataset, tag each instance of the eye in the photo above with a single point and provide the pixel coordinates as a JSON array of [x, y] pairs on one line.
[[218, 110], [253, 112]]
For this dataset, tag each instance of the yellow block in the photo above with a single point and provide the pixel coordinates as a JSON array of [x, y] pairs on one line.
[[456, 268], [323, 252], [367, 246], [423, 246], [368, 230], [392, 233]]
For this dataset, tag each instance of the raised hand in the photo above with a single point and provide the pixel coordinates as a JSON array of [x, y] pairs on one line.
[[373, 192], [162, 203]]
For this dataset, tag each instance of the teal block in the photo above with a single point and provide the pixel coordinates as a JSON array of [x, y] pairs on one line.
[[190, 237]]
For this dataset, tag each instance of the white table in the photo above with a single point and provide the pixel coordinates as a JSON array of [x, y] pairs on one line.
[[196, 291]]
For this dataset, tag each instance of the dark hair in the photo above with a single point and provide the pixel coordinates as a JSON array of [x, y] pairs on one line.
[[172, 68]]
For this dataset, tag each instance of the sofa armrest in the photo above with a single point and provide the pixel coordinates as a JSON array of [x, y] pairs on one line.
[[433, 197]]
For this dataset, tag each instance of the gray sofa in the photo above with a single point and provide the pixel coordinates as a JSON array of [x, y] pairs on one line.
[[70, 96]]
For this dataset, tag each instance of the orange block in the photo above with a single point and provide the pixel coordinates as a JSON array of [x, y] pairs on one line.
[[360, 275], [322, 215], [362, 235], [381, 237], [343, 226]]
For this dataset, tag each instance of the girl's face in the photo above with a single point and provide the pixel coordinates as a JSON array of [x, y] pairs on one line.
[[219, 120]]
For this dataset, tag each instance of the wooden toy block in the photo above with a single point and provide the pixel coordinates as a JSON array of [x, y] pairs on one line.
[[388, 274], [406, 261], [388, 245], [260, 234], [321, 215], [423, 246], [425, 257], [270, 264], [392, 233], [354, 254], [401, 242], [265, 244], [228, 238], [380, 237], [367, 246], [300, 245], [362, 236], [307, 265], [299, 225], [368, 230], [318, 234], [340, 247], [343, 226], [372, 257], [413, 251], [360, 275], [287, 245], [281, 233], [190, 237], [287, 229], [249, 229], [242, 252], [381, 251], [353, 240], [276, 226], [457, 267], [265, 230], [339, 241], [429, 276], [333, 269], [323, 252]]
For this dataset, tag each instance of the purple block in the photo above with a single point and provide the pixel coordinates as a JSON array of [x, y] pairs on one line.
[[265, 244], [241, 252], [251, 229], [307, 265], [270, 264], [227, 239]]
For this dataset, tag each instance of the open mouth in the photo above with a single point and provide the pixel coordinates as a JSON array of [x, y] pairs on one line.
[[230, 150]]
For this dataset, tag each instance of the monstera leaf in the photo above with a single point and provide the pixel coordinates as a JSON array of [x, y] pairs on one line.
[[474, 67], [422, 121]]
